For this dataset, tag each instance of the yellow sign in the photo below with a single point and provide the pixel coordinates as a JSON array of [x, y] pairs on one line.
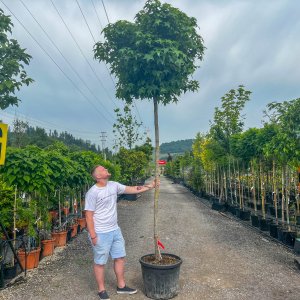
[[3, 142]]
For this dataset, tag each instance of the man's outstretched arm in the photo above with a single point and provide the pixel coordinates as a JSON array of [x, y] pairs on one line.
[[140, 188]]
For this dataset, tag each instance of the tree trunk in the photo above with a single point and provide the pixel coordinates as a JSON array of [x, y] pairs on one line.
[[156, 193], [287, 198], [282, 191], [59, 208], [15, 220], [261, 168], [275, 191], [254, 189]]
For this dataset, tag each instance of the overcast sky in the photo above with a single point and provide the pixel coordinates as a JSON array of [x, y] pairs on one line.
[[251, 42]]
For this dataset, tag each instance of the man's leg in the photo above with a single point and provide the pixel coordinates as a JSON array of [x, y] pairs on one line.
[[99, 274], [119, 266]]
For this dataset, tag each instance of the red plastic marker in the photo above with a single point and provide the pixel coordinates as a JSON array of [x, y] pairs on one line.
[[159, 243]]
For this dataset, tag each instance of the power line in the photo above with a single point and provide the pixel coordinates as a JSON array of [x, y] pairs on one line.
[[53, 126], [65, 59], [101, 26], [75, 41], [93, 38], [55, 62], [86, 21], [105, 12], [132, 100]]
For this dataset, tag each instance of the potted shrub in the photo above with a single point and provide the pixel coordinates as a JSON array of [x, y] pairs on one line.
[[153, 59], [29, 252]]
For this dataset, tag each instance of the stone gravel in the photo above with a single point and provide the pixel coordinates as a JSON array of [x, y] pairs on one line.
[[222, 258]]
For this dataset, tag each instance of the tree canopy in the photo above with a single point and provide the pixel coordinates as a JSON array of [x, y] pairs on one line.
[[12, 61], [154, 57]]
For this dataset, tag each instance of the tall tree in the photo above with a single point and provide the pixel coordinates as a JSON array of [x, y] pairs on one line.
[[153, 58], [12, 60]]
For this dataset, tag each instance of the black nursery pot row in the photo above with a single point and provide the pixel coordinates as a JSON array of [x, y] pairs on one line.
[[277, 231]]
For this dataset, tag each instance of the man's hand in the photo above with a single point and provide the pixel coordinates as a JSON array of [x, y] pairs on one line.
[[94, 241], [155, 184]]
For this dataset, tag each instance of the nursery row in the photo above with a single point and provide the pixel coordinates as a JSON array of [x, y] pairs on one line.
[[288, 234], [25, 252]]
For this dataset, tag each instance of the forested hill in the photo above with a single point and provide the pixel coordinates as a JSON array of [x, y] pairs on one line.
[[176, 147], [23, 135]]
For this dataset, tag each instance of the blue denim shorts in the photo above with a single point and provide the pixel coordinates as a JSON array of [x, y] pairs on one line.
[[109, 243]]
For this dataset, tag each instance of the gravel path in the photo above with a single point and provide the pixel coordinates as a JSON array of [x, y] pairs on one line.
[[222, 259]]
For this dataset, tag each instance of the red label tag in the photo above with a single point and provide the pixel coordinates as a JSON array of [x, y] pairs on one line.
[[159, 243]]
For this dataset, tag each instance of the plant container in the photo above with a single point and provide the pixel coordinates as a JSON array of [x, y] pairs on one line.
[[74, 230], [298, 220], [297, 246], [245, 215], [60, 238], [288, 237], [10, 272], [255, 220], [31, 260], [161, 281], [264, 224], [280, 233], [218, 206], [237, 212], [53, 214], [48, 247], [273, 230]]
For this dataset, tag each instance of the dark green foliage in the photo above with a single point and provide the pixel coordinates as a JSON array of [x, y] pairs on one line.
[[133, 165], [153, 57], [228, 119], [12, 61]]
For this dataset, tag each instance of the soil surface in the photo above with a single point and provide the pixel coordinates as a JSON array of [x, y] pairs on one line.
[[222, 258]]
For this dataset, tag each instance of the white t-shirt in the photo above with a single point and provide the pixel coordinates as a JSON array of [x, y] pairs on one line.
[[103, 202]]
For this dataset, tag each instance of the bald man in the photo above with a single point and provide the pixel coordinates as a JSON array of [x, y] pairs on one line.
[[102, 224]]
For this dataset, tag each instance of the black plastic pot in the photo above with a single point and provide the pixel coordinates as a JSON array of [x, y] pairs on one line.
[[161, 281], [255, 220], [237, 212], [218, 206], [69, 234], [297, 246], [273, 230], [264, 224], [10, 272], [288, 238], [245, 215], [280, 233], [298, 220], [231, 209]]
